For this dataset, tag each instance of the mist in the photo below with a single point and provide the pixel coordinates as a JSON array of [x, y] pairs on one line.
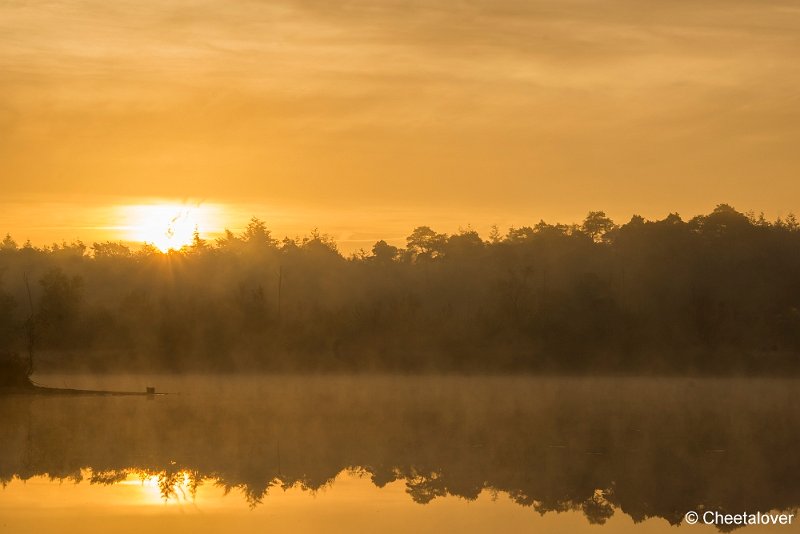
[[716, 295], [647, 448]]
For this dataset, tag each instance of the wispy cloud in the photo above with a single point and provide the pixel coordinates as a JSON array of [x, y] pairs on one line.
[[524, 104]]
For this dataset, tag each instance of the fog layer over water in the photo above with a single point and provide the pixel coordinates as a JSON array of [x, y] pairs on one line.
[[640, 447]]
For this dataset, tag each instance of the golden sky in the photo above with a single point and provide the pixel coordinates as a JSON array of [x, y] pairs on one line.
[[367, 118]]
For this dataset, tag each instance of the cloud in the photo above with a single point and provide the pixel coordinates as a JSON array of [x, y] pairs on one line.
[[505, 101]]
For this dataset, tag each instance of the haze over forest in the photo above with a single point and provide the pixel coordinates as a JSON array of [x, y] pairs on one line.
[[372, 118], [714, 294]]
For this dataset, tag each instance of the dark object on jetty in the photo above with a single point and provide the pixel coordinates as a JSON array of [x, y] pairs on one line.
[[14, 379], [42, 390]]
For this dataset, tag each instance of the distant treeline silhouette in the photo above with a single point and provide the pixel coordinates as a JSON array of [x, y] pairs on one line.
[[719, 293]]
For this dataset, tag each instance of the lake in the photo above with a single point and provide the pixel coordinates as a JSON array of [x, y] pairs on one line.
[[398, 454]]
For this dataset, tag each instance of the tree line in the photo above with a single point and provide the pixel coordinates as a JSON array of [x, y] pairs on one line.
[[719, 293]]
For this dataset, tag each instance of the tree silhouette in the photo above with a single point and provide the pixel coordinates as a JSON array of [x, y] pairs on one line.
[[59, 307], [717, 293], [425, 243], [384, 253], [597, 225]]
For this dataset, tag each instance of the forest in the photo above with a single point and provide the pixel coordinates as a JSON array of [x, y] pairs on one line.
[[716, 294]]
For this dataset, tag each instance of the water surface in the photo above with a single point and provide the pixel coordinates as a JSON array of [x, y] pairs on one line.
[[398, 454]]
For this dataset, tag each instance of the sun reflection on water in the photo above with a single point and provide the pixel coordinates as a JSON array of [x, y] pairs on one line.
[[135, 500], [163, 487]]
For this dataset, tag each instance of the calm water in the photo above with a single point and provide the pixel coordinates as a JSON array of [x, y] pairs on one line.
[[388, 454]]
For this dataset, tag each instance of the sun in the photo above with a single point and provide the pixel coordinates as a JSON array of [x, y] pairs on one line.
[[167, 226]]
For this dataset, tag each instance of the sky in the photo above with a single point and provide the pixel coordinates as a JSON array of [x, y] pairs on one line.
[[367, 118]]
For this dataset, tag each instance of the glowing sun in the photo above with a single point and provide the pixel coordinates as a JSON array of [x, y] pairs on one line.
[[167, 226]]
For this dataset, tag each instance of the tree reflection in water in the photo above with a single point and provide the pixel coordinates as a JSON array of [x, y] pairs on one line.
[[645, 447]]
